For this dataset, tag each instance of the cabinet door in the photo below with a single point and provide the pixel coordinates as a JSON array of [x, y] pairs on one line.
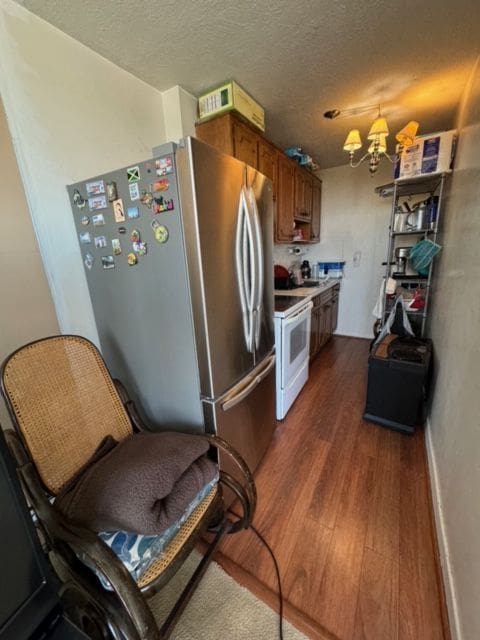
[[316, 209], [315, 332], [328, 322], [303, 194], [245, 144], [285, 199], [217, 133], [267, 162], [334, 311]]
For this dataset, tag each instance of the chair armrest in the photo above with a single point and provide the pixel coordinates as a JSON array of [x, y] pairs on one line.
[[249, 491], [16, 447]]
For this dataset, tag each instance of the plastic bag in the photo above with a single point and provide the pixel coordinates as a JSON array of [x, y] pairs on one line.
[[398, 313]]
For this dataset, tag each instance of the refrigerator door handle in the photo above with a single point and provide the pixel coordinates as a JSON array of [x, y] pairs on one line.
[[259, 280], [241, 260], [241, 391], [245, 264]]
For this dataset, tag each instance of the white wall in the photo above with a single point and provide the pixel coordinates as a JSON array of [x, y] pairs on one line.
[[453, 434], [179, 112], [27, 307], [354, 218], [72, 114]]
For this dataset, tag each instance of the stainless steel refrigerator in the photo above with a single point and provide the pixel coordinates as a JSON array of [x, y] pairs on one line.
[[177, 252]]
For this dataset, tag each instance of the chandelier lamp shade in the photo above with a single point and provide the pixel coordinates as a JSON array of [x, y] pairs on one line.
[[377, 136]]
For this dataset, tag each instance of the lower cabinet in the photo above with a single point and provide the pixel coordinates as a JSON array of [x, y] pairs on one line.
[[324, 318]]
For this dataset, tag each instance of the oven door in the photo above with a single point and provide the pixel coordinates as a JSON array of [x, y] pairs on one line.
[[295, 343]]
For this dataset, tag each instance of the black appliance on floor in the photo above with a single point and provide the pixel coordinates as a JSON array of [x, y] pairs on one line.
[[398, 378], [29, 605]]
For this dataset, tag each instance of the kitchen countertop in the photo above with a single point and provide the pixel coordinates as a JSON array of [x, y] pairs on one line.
[[310, 292]]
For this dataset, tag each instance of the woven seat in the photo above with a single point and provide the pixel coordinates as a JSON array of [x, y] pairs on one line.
[[64, 403]]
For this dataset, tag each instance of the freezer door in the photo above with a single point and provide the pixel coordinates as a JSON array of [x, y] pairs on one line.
[[245, 416], [226, 260]]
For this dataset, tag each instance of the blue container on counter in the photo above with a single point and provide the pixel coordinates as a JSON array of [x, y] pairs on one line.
[[332, 269]]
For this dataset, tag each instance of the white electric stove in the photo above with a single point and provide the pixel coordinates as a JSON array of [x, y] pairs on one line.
[[292, 340]]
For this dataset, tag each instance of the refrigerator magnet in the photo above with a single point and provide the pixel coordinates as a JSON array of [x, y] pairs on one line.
[[108, 262], [100, 242], [132, 213], [140, 248], [85, 238], [118, 211], [135, 235], [161, 233], [97, 202], [112, 193], [161, 185], [116, 247], [133, 174], [85, 220], [163, 166], [78, 200], [122, 230], [160, 205], [88, 260], [132, 259], [134, 191], [95, 187], [146, 198], [98, 220]]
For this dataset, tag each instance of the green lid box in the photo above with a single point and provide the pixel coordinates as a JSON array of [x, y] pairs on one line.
[[231, 97]]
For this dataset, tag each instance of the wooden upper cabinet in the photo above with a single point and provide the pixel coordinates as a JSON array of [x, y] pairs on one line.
[[297, 193], [217, 133], [285, 199], [267, 162], [316, 209], [245, 143], [303, 194]]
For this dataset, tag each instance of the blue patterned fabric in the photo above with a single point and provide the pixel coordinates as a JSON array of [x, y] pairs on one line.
[[138, 552]]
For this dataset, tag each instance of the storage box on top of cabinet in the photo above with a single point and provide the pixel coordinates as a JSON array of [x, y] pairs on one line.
[[429, 154], [231, 97]]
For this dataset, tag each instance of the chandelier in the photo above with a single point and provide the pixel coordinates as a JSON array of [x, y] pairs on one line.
[[378, 142]]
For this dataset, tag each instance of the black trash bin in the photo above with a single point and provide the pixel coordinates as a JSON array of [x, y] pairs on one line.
[[398, 377]]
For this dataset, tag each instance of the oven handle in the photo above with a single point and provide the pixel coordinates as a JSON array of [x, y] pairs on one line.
[[303, 311]]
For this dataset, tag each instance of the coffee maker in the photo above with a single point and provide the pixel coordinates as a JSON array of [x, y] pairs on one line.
[[401, 257]]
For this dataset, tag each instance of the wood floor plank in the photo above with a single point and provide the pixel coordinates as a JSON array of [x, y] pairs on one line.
[[326, 497], [384, 527], [304, 572], [377, 606], [338, 592], [420, 614], [337, 598]]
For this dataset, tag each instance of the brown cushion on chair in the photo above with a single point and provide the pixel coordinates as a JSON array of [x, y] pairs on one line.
[[141, 485]]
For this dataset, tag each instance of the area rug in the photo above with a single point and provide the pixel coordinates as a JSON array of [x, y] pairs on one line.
[[220, 608]]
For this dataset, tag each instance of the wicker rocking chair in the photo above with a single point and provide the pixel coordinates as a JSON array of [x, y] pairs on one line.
[[63, 403]]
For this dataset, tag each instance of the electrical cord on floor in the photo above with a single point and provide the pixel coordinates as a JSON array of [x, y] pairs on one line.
[[277, 571]]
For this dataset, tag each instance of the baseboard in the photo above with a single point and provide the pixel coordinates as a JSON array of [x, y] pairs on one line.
[[353, 335], [448, 582]]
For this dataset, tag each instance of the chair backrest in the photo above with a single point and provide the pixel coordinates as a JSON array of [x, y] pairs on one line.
[[64, 403]]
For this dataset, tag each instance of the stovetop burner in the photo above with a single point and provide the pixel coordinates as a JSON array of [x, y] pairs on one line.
[[282, 303]]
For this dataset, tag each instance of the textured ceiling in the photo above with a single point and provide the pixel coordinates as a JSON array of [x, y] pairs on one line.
[[297, 58]]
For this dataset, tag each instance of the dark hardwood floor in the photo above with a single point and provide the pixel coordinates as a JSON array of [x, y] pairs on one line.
[[345, 506]]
